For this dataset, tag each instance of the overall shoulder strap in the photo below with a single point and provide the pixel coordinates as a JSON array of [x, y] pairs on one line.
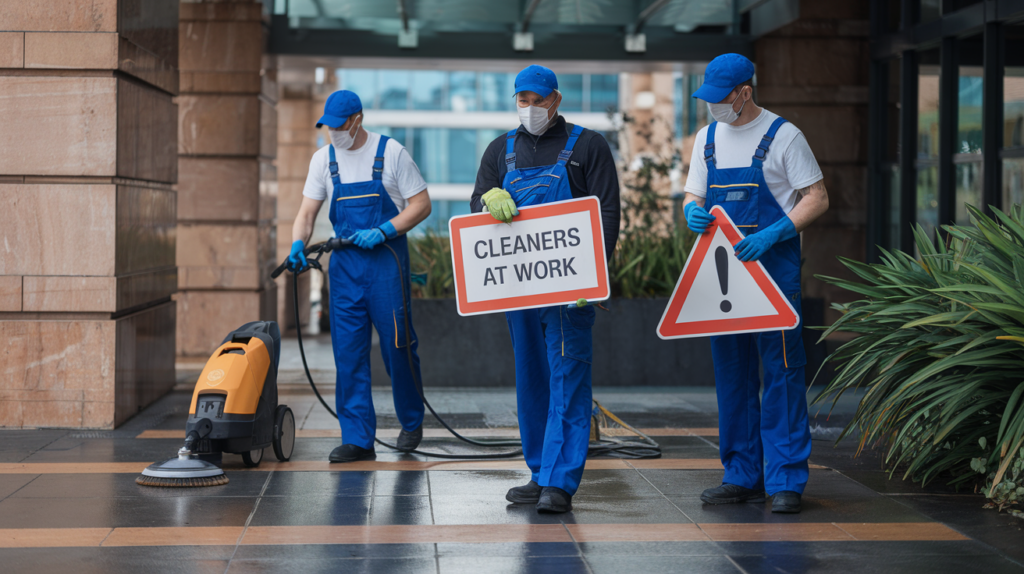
[[766, 142], [333, 165], [378, 160], [709, 147], [563, 156], [510, 150]]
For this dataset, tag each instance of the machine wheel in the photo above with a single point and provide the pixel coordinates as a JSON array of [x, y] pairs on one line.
[[284, 433], [252, 458]]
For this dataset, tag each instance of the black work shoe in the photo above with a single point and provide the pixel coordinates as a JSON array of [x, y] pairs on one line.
[[410, 440], [786, 501], [554, 500], [528, 493], [352, 453], [731, 494]]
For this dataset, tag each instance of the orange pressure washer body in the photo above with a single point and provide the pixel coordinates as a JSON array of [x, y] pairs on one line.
[[237, 372]]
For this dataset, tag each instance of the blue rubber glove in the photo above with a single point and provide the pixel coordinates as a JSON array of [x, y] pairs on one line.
[[368, 238], [297, 258], [697, 218], [753, 246], [389, 230]]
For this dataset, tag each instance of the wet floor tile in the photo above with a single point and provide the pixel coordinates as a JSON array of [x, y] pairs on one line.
[[636, 548], [107, 450], [400, 483], [12, 483], [609, 510], [312, 510], [662, 564], [511, 549], [876, 564], [859, 548], [118, 512], [115, 561], [400, 510], [247, 484], [682, 482], [321, 484], [480, 483], [512, 565], [331, 551], [487, 509], [872, 509], [619, 484], [335, 565]]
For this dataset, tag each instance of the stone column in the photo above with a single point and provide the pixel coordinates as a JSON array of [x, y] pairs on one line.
[[814, 73], [87, 167], [227, 142]]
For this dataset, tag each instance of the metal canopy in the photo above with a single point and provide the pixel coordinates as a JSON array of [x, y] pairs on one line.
[[638, 30]]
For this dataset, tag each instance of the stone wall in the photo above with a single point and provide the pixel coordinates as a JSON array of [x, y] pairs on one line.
[[87, 168], [227, 193], [814, 73]]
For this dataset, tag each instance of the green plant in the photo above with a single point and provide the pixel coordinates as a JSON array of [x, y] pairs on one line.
[[648, 265], [431, 254], [941, 354]]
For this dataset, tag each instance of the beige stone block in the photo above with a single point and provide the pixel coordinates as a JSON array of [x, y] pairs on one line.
[[847, 195], [836, 134], [60, 16], [147, 66], [268, 191], [147, 133], [70, 294], [814, 9], [56, 356], [306, 136], [52, 413], [289, 198], [10, 293], [51, 229], [218, 125], [293, 162], [218, 189], [146, 287], [83, 111], [268, 130], [220, 46], [12, 49], [98, 415], [220, 82], [219, 256], [230, 11], [827, 61], [71, 50], [296, 114], [204, 317], [145, 359], [146, 229]]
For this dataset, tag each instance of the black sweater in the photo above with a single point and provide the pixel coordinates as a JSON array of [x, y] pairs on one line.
[[591, 170]]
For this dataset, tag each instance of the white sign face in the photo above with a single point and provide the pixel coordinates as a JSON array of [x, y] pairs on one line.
[[551, 254]]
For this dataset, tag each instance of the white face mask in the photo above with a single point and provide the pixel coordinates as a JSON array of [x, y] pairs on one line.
[[724, 113], [535, 119], [344, 139]]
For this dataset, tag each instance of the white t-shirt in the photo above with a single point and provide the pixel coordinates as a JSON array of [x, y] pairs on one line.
[[789, 165], [401, 176]]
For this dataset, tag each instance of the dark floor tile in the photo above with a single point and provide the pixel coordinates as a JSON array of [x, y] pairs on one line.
[[525, 549], [873, 509], [661, 564], [331, 551], [17, 444], [703, 451], [493, 483], [107, 450], [650, 548], [860, 548], [321, 484], [400, 483], [114, 560], [881, 481], [512, 565], [834, 485], [335, 565], [609, 510], [683, 482], [619, 484], [118, 512], [699, 512], [12, 483], [874, 564], [486, 509], [312, 510], [247, 484], [400, 510]]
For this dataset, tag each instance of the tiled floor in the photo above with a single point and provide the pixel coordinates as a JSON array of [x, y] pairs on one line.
[[69, 503]]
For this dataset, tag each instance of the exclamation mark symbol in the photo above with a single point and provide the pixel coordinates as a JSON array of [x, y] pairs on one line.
[[722, 263]]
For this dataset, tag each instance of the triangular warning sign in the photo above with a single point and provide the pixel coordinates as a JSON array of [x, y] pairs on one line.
[[718, 294]]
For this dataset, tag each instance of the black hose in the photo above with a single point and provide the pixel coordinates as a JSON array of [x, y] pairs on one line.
[[412, 369]]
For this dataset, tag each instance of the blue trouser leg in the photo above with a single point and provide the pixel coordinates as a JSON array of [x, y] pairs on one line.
[[350, 337], [785, 432], [387, 312], [532, 384], [739, 409]]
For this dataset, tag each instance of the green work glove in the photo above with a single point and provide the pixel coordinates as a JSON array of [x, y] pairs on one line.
[[580, 303], [500, 205]]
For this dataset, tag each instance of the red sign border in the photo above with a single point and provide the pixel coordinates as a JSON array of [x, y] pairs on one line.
[[784, 319], [578, 205]]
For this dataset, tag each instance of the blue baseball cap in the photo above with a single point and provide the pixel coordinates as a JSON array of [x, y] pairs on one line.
[[722, 76], [340, 105], [537, 79]]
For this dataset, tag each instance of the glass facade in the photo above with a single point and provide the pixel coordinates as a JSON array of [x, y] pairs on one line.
[[927, 205]]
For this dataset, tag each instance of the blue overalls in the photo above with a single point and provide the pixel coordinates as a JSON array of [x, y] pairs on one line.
[[553, 350], [764, 441], [365, 288]]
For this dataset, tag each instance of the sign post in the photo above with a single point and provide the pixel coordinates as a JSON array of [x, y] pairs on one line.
[[551, 254], [717, 294]]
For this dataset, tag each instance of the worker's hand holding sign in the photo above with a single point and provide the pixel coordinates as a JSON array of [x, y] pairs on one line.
[[551, 254]]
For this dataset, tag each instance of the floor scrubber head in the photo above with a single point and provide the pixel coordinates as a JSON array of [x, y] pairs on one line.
[[185, 470]]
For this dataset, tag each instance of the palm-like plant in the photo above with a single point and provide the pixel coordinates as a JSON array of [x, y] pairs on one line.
[[940, 352]]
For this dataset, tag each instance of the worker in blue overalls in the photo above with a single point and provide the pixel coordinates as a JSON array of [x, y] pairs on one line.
[[760, 170], [376, 195], [546, 160]]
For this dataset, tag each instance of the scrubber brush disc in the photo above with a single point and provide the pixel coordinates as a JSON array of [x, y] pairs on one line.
[[182, 471]]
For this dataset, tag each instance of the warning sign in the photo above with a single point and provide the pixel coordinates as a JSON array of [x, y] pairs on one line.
[[718, 294], [551, 254]]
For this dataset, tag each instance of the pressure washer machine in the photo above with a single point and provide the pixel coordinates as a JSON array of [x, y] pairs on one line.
[[234, 409]]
